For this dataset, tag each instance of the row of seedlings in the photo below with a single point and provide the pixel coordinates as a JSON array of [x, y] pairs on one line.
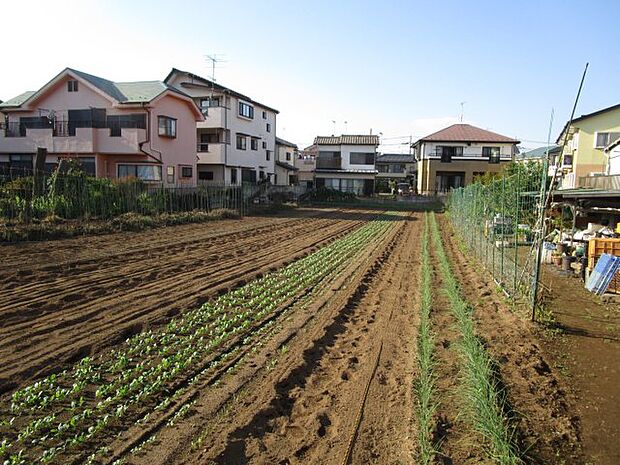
[[484, 395], [67, 412]]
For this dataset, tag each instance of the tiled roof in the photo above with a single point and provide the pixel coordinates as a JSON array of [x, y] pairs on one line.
[[539, 152], [285, 142], [347, 140], [395, 158], [17, 101], [466, 133]]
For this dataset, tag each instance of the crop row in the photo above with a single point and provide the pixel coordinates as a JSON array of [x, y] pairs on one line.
[[64, 413], [484, 395], [425, 384]]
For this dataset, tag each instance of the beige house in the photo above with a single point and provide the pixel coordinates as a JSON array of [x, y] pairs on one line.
[[306, 164], [285, 169], [453, 156]]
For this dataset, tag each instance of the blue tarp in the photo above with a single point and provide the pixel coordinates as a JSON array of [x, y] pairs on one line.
[[604, 271]]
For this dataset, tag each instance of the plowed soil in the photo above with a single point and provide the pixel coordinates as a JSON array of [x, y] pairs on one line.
[[332, 379], [63, 300]]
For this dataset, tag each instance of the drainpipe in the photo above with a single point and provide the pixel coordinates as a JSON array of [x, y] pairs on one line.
[[148, 138]]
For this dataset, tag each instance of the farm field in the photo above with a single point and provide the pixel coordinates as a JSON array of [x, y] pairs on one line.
[[323, 336]]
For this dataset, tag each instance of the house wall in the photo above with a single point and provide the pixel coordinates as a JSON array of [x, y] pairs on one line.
[[614, 161], [471, 162], [228, 118], [174, 152], [427, 171], [586, 157]]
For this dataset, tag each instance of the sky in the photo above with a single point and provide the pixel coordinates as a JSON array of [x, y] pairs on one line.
[[397, 68]]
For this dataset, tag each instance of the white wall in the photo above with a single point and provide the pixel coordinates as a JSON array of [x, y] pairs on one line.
[[614, 161], [231, 120], [471, 150]]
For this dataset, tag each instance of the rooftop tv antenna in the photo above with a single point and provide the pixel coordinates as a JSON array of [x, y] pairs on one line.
[[462, 105], [215, 59]]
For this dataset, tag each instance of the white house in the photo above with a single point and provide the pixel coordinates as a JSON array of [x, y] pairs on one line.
[[286, 171], [346, 162], [236, 141]]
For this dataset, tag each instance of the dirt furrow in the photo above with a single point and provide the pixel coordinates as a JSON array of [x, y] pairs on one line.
[[83, 327], [308, 411], [539, 405], [387, 431]]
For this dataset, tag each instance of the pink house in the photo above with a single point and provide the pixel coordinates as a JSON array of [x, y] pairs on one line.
[[141, 129]]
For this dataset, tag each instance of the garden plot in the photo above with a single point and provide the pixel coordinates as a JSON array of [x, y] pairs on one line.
[[362, 347]]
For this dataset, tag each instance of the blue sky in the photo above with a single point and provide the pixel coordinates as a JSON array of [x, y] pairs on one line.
[[397, 67]]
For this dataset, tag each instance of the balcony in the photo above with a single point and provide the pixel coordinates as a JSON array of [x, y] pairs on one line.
[[213, 153], [71, 137], [329, 163], [215, 117], [610, 182]]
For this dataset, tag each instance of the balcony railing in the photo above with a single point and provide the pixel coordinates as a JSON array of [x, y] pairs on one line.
[[611, 182], [61, 128], [328, 163]]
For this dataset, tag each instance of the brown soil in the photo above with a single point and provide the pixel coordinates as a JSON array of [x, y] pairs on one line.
[[63, 300], [299, 397], [538, 395], [587, 351]]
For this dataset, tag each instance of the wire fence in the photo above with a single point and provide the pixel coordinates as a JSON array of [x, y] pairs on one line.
[[496, 221], [75, 195]]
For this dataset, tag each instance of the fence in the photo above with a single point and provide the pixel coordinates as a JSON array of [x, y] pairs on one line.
[[74, 195], [497, 222]]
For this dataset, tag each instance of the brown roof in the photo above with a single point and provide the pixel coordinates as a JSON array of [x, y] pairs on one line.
[[347, 140], [466, 133]]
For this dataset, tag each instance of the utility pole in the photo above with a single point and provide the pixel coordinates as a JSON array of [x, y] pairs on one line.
[[410, 144], [462, 105]]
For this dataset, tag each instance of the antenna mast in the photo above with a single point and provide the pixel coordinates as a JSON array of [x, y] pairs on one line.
[[214, 59]]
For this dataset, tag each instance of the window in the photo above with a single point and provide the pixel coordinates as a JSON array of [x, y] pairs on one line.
[[21, 162], [72, 86], [167, 126], [142, 172], [209, 102], [264, 144], [493, 154], [264, 115], [241, 142], [186, 172], [268, 127], [245, 110], [361, 158], [205, 175], [88, 165], [567, 160], [117, 122], [233, 175], [288, 156], [267, 155], [261, 174], [603, 139], [254, 143], [447, 152]]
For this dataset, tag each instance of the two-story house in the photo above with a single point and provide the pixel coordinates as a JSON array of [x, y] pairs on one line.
[[145, 130], [398, 167], [585, 141], [286, 171], [453, 156], [306, 164], [346, 163], [236, 139]]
